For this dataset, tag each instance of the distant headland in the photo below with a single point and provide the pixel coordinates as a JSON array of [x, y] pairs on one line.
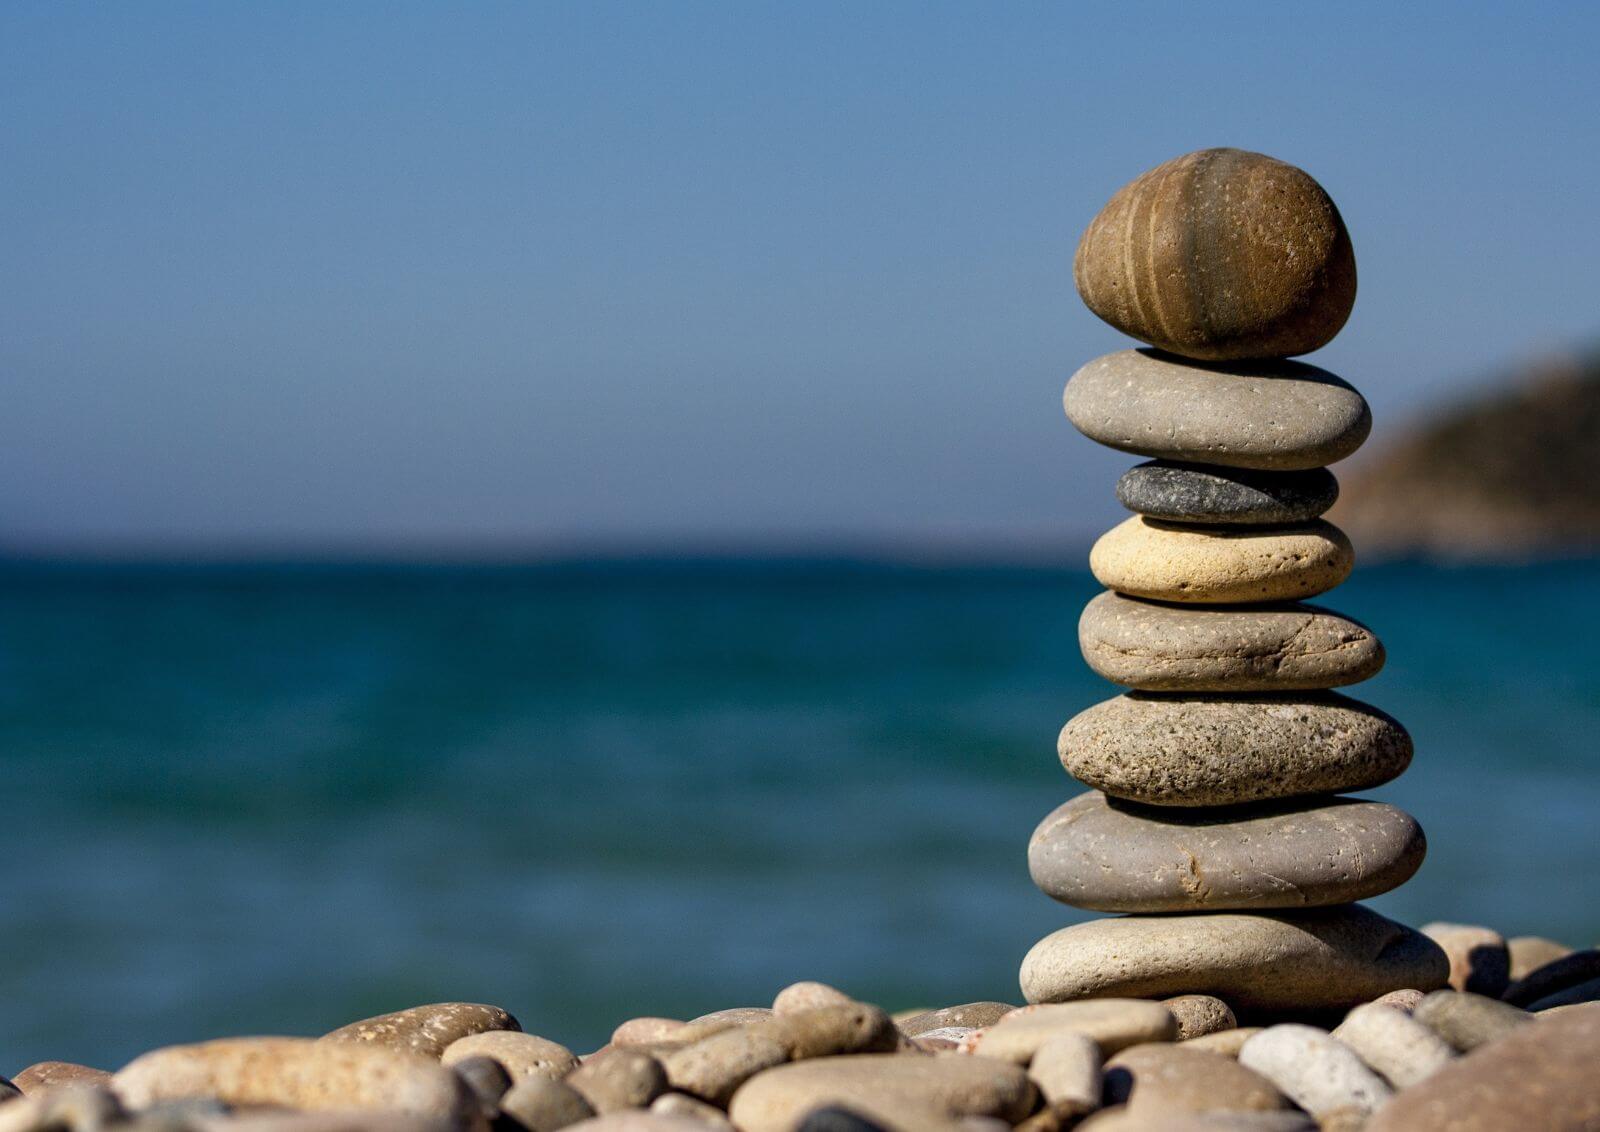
[[1508, 474]]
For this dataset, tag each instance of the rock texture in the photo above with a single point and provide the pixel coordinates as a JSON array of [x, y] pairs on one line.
[[1214, 751], [1219, 565], [1326, 958], [425, 1030], [1271, 416], [1206, 493], [1539, 1079], [1221, 253], [300, 1073], [1158, 647], [777, 1100], [1113, 856]]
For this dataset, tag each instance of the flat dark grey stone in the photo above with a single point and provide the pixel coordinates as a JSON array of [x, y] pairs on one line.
[[1110, 856], [1209, 493]]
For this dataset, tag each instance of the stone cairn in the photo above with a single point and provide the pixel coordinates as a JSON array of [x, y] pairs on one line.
[[1216, 776]]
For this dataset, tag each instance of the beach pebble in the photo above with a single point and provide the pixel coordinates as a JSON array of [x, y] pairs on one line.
[[1542, 982], [523, 1055], [638, 1122], [300, 1073], [1210, 493], [1536, 1079], [645, 1031], [1112, 1023], [1402, 1050], [737, 1015], [836, 1118], [425, 1030], [1574, 995], [1404, 1000], [540, 1104], [1120, 1119], [686, 1107], [1156, 647], [826, 1031], [1262, 416], [1317, 959], [714, 1067], [618, 1079], [83, 1107], [808, 996], [953, 1034], [1530, 952], [1479, 960], [970, 1015], [1067, 1070], [1116, 856], [1199, 1014], [1153, 1079], [882, 1086], [1160, 561], [1318, 1073], [1220, 253], [486, 1077], [1225, 1042], [1467, 1021], [1220, 751], [284, 1120], [1056, 1117], [44, 1075]]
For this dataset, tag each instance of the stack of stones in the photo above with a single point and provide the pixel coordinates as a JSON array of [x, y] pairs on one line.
[[1217, 775]]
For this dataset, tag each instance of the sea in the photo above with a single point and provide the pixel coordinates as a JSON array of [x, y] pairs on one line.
[[272, 799]]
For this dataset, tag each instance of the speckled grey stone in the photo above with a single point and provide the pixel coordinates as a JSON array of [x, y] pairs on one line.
[[1221, 751], [1209, 493], [1157, 647], [1113, 856], [1311, 960], [1274, 416]]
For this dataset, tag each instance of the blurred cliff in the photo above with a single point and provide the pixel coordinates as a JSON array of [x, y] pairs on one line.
[[1511, 473]]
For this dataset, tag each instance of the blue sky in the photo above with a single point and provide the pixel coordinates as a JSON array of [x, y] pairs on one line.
[[501, 278]]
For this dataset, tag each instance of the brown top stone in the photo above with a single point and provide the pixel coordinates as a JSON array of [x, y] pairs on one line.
[[1219, 254]]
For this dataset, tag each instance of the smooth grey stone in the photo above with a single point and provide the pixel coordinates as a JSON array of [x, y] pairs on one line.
[[1318, 1073], [1274, 416], [1402, 1050], [1157, 647], [1468, 1021], [1321, 958], [1221, 751], [1111, 856], [1210, 493]]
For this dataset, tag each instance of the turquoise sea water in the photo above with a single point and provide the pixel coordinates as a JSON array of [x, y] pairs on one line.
[[275, 800]]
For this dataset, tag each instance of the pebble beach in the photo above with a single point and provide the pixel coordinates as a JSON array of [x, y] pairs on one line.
[[1515, 1051], [1238, 981]]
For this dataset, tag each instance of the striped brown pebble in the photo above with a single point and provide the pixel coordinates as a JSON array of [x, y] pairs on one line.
[[1220, 254]]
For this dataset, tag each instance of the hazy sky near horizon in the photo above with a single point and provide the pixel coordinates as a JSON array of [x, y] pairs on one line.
[[351, 276]]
